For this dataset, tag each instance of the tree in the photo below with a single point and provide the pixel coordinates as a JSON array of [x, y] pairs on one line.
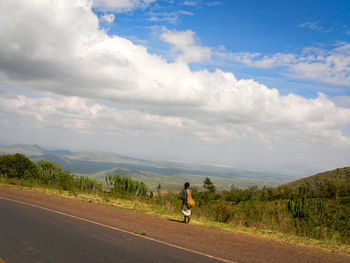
[[158, 189], [208, 184], [17, 166]]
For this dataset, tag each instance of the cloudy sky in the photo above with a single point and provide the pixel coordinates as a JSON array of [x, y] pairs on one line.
[[254, 84]]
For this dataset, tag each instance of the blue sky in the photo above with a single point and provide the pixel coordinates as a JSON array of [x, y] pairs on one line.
[[265, 27], [253, 84]]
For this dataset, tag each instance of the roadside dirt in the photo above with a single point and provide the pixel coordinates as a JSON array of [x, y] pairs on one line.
[[236, 247]]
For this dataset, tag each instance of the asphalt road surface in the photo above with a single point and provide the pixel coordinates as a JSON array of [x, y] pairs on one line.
[[30, 234]]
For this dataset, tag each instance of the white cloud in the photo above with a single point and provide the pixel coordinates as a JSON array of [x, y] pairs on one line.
[[191, 3], [314, 25], [83, 115], [169, 17], [325, 65], [342, 101], [108, 18], [214, 3], [108, 84], [256, 60], [120, 5], [215, 125], [184, 42]]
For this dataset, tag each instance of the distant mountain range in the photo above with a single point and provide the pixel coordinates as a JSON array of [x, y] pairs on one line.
[[31, 150], [170, 174]]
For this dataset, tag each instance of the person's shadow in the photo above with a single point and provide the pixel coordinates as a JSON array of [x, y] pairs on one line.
[[175, 220]]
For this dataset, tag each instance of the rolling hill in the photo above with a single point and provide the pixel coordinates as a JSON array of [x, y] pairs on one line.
[[170, 174], [331, 183]]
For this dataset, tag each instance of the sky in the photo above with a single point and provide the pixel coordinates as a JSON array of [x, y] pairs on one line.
[[254, 84]]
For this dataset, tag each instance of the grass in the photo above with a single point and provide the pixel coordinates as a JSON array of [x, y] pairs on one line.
[[162, 212]]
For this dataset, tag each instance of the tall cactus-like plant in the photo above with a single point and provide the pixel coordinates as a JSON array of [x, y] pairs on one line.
[[300, 207], [320, 206], [126, 186], [296, 206]]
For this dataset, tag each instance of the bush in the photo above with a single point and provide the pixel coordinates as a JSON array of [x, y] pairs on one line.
[[50, 172]]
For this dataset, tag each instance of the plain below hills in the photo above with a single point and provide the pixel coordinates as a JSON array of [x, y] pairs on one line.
[[169, 174]]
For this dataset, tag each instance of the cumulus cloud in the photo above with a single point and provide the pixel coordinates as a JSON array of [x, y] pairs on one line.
[[342, 101], [84, 115], [120, 5], [325, 65], [63, 52], [87, 116], [184, 42]]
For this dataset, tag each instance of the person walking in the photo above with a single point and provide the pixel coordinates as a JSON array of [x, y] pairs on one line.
[[186, 199]]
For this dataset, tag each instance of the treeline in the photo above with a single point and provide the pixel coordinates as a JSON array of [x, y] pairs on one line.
[[18, 169], [329, 189]]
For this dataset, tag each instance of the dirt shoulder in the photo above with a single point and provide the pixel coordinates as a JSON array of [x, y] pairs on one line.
[[237, 247]]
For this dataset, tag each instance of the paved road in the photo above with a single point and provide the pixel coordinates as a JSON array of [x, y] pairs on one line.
[[29, 234]]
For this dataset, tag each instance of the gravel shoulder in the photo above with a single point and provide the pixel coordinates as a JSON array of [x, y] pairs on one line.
[[237, 247]]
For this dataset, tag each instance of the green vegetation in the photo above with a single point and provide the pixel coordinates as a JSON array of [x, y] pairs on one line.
[[268, 209], [125, 187], [18, 169], [18, 166], [316, 207], [331, 184]]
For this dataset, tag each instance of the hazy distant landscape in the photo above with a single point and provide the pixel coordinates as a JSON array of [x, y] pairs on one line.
[[169, 174]]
